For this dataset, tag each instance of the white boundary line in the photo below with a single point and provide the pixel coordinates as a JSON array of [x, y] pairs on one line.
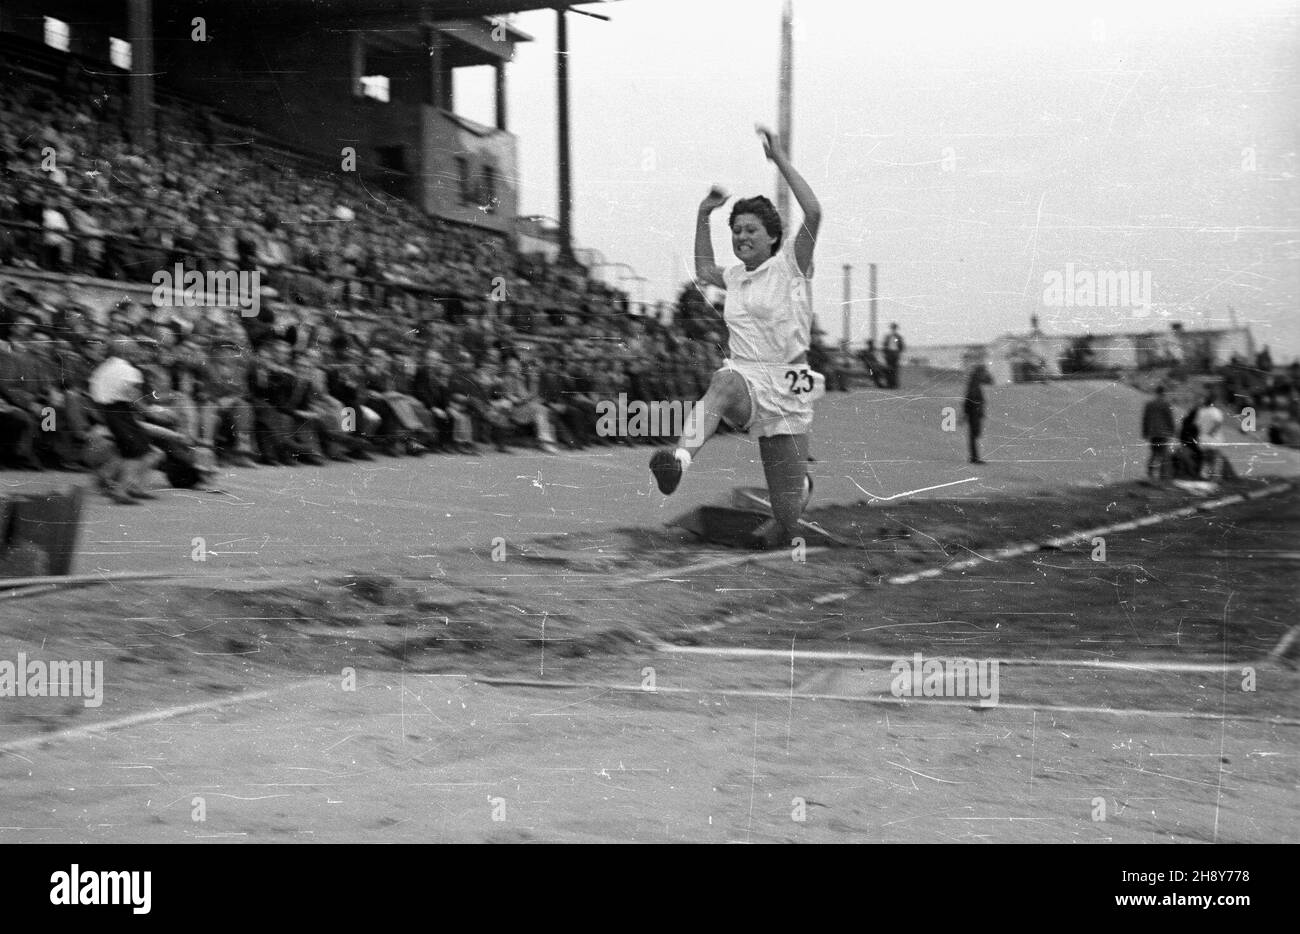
[[153, 716], [1012, 551], [1009, 551], [84, 732], [815, 655], [71, 580], [779, 554], [1284, 644], [894, 701]]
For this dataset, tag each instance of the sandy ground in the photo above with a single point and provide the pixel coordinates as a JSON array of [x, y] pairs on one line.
[[548, 696]]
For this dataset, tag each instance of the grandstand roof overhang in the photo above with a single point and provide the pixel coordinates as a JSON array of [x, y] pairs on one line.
[[431, 10], [326, 12], [365, 12]]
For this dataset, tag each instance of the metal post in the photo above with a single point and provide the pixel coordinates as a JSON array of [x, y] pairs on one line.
[[848, 305], [139, 32], [358, 56], [872, 293], [501, 95], [784, 128], [433, 45], [562, 109]]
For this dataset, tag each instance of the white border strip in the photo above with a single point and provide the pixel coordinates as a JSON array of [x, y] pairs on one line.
[[778, 554], [153, 716], [894, 701], [819, 656], [1284, 644], [71, 580], [1070, 538]]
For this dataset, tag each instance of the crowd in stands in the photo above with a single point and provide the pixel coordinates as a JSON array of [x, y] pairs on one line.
[[380, 330]]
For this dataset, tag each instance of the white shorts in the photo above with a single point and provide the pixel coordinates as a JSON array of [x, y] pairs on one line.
[[780, 396]]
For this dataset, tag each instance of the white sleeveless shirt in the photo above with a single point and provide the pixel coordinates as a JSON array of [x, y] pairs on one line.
[[769, 311]]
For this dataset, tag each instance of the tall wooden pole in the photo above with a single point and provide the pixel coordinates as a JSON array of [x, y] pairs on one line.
[[437, 94], [784, 126], [872, 294], [501, 95], [139, 32], [562, 108], [848, 305]]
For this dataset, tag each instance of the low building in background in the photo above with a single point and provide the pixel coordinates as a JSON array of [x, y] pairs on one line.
[[1035, 355]]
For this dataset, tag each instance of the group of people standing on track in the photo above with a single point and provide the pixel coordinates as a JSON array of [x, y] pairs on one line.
[[1190, 449], [884, 374]]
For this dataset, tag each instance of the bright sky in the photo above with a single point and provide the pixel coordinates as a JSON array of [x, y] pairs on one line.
[[968, 149]]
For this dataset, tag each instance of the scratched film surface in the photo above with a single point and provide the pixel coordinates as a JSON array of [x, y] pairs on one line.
[[337, 341]]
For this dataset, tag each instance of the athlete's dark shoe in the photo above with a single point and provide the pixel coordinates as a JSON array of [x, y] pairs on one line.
[[667, 470]]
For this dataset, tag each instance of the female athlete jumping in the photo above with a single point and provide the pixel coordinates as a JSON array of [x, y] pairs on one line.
[[765, 386]]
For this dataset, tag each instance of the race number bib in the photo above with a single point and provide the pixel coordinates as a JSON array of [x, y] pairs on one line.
[[803, 382]]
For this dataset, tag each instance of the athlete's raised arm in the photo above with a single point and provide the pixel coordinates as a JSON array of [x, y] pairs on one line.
[[706, 270], [806, 239]]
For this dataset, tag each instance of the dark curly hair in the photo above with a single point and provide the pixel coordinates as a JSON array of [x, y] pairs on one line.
[[766, 213]]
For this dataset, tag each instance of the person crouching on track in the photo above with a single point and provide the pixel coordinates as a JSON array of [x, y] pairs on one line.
[[765, 386], [117, 387]]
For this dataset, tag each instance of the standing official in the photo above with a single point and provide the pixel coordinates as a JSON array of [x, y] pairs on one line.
[[973, 408], [1158, 429], [893, 347]]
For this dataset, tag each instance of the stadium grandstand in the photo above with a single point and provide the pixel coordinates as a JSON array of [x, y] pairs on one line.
[[395, 310]]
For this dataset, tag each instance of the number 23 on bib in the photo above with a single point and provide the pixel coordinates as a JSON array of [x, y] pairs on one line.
[[804, 383]]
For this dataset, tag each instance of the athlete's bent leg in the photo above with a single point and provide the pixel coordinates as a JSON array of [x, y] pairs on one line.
[[785, 463], [727, 397]]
